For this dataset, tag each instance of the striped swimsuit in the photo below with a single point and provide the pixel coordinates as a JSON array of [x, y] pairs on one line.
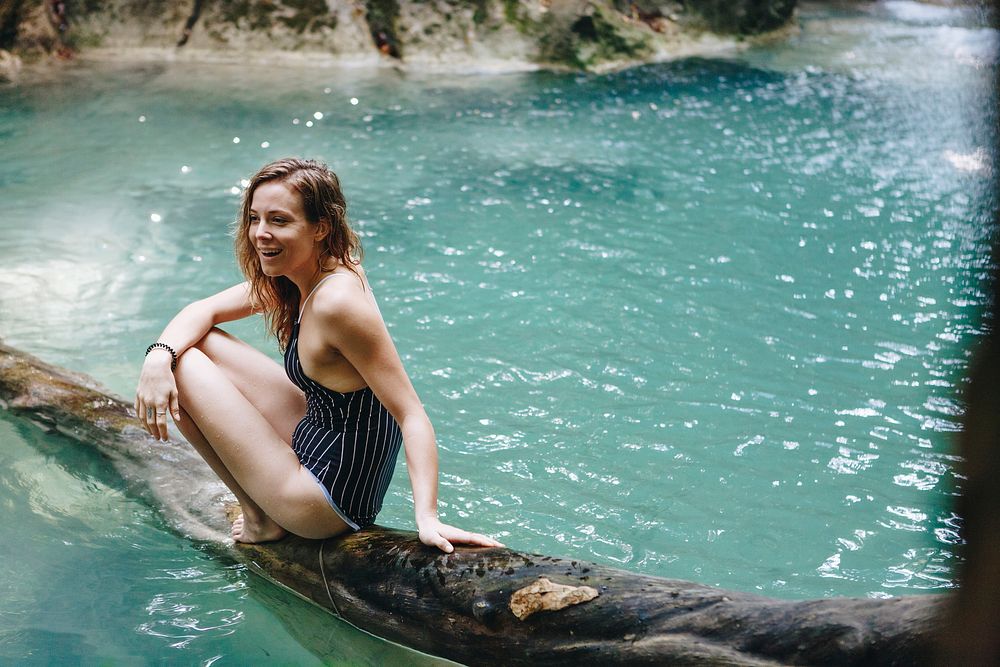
[[349, 442]]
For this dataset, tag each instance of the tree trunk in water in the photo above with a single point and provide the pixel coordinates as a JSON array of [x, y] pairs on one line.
[[459, 606], [484, 605]]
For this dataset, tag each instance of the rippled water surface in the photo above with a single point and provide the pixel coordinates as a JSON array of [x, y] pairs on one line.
[[707, 320]]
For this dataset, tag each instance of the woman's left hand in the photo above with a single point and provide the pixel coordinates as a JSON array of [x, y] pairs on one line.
[[433, 533]]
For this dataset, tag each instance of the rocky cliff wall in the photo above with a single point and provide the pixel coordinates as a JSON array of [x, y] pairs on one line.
[[455, 34]]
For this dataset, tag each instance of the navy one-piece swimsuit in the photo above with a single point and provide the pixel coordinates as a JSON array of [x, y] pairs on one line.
[[349, 442]]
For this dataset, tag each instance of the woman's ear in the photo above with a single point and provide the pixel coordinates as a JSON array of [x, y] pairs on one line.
[[323, 230]]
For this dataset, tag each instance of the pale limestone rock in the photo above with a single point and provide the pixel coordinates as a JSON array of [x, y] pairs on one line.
[[10, 67], [544, 595]]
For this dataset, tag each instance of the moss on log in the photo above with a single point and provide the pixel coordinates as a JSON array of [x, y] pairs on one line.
[[489, 605]]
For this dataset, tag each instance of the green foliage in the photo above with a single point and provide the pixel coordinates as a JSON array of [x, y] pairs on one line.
[[383, 14], [592, 39], [253, 14], [88, 6], [743, 17], [119, 9], [313, 15], [481, 11], [512, 12], [149, 9], [10, 16], [611, 37], [382, 17], [79, 39], [558, 46]]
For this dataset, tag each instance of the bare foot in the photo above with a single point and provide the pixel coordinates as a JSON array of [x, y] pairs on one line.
[[252, 532]]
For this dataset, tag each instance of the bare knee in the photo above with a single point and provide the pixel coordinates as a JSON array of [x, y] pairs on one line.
[[195, 356], [190, 367], [189, 362], [211, 342]]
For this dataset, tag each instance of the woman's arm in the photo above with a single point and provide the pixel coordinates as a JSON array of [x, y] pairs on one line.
[[157, 391], [351, 324]]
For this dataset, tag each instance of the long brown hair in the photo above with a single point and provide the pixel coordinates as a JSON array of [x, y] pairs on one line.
[[277, 298]]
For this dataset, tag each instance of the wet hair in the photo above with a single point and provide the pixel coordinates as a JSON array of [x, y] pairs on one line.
[[277, 297]]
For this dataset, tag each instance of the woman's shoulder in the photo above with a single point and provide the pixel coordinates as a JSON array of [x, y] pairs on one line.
[[342, 293]]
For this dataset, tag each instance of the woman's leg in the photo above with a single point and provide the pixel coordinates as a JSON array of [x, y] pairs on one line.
[[253, 524], [268, 389], [239, 412]]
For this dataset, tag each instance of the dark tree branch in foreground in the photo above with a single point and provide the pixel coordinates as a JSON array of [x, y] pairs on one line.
[[483, 605]]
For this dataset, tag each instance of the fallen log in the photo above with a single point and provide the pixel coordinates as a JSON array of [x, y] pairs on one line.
[[481, 605]]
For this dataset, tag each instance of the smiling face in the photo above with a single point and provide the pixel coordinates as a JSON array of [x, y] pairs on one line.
[[285, 240], [292, 226]]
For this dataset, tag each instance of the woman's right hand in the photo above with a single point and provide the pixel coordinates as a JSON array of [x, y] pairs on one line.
[[156, 393]]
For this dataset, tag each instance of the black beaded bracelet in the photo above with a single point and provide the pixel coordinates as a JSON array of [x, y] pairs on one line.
[[164, 346]]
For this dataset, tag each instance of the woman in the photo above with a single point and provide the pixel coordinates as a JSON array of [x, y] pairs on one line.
[[309, 449]]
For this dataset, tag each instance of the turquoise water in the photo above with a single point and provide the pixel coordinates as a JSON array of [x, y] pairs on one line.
[[707, 320]]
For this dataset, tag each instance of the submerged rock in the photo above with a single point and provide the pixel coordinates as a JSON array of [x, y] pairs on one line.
[[450, 34]]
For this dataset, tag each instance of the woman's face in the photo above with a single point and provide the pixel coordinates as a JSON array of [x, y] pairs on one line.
[[285, 240]]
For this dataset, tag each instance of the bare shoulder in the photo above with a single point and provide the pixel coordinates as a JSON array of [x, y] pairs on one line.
[[344, 300]]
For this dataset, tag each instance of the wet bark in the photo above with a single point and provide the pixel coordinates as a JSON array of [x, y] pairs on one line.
[[459, 605]]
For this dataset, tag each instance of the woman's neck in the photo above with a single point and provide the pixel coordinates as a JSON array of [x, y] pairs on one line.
[[307, 284]]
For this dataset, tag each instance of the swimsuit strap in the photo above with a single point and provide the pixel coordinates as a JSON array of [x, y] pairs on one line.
[[302, 309]]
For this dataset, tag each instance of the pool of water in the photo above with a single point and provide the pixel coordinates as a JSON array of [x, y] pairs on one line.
[[708, 319]]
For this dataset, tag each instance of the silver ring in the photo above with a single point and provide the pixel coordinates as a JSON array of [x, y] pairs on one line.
[[161, 414], [149, 413]]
